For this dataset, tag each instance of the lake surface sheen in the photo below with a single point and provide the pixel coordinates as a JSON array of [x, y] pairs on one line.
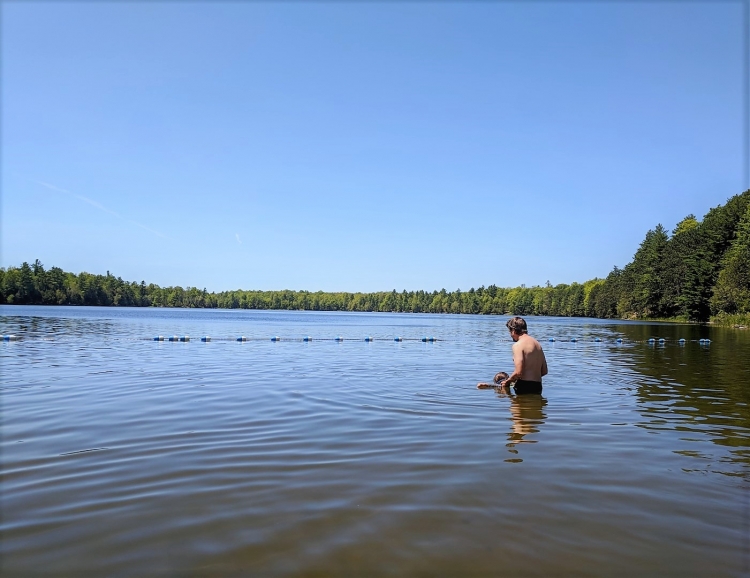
[[122, 456]]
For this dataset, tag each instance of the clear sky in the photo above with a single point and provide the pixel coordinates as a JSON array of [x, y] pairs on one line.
[[362, 147]]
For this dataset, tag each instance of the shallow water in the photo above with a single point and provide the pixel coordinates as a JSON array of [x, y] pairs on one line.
[[125, 456]]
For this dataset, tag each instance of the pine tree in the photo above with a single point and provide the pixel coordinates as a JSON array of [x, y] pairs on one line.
[[732, 291]]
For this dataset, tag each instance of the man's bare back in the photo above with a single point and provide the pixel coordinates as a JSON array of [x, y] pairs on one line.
[[528, 359], [529, 362]]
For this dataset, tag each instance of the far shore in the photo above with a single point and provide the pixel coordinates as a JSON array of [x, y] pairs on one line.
[[741, 321]]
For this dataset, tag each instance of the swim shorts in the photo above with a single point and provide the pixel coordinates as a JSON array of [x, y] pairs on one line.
[[523, 386]]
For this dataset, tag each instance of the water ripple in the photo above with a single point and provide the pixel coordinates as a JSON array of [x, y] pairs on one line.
[[329, 458]]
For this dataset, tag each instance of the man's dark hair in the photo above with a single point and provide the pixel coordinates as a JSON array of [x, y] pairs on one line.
[[518, 325]]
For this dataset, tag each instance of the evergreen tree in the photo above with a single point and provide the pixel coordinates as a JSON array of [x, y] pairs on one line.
[[715, 235], [732, 292], [642, 278], [680, 264]]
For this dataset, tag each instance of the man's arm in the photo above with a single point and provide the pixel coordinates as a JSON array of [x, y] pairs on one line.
[[544, 365], [517, 363]]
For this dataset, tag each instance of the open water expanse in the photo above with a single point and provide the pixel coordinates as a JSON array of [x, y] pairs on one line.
[[122, 456]]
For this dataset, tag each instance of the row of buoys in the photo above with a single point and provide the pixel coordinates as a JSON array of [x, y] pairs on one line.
[[369, 338], [339, 338], [575, 340], [681, 341], [242, 338], [651, 340]]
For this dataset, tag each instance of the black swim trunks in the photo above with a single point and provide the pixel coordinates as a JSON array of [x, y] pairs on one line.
[[523, 386]]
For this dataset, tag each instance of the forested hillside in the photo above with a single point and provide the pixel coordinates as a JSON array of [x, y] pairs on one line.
[[701, 269]]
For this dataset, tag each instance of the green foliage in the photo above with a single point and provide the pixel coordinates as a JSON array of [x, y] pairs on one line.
[[687, 224], [702, 268], [740, 320], [643, 279], [34, 285], [732, 292], [699, 270]]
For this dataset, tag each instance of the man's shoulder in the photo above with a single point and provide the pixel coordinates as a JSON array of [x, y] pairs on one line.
[[532, 342]]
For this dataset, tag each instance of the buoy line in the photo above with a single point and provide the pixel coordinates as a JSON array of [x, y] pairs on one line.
[[370, 339]]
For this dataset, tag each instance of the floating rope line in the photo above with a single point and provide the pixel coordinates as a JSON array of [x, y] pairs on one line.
[[652, 341], [398, 339], [307, 338]]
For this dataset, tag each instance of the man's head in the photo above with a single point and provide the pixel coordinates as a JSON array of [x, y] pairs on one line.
[[517, 327]]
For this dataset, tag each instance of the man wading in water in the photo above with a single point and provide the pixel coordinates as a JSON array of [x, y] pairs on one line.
[[528, 359]]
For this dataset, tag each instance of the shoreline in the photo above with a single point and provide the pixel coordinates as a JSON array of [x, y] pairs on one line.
[[737, 321]]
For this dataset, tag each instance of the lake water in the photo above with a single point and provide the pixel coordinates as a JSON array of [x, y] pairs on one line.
[[122, 456]]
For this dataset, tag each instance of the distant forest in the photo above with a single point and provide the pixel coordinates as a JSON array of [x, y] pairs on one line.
[[700, 270]]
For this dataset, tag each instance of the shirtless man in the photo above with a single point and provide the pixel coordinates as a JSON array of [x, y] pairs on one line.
[[528, 359]]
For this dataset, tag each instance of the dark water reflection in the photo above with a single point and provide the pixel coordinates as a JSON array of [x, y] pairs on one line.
[[124, 456], [527, 413], [697, 392], [527, 416]]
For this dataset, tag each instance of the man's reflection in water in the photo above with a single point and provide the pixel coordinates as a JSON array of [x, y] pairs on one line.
[[527, 414]]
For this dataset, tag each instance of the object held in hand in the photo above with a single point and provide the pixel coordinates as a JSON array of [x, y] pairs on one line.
[[497, 380]]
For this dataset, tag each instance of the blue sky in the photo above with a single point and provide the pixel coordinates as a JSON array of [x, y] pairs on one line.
[[362, 147]]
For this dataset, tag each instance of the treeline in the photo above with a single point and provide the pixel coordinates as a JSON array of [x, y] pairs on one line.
[[33, 284], [702, 268]]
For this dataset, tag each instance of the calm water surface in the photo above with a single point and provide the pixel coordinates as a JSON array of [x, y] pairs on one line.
[[123, 456]]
